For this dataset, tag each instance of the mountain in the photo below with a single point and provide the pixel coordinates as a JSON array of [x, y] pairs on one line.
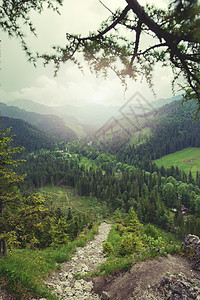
[[87, 115], [91, 114], [32, 106], [163, 101], [27, 135], [157, 133], [86, 119], [51, 124], [68, 113]]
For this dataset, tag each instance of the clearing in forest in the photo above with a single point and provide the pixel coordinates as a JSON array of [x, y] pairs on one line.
[[187, 160]]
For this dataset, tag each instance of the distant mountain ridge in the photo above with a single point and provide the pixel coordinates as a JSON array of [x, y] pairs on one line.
[[163, 101], [87, 115], [26, 135], [51, 124], [94, 115]]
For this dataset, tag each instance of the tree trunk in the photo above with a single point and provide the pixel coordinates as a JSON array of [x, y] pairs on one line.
[[5, 248]]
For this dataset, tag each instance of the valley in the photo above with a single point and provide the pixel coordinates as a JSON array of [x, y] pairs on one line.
[[138, 174], [100, 150]]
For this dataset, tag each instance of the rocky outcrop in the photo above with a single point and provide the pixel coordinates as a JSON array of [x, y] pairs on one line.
[[172, 287], [178, 287], [192, 249], [86, 259]]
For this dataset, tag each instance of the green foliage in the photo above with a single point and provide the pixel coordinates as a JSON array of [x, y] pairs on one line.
[[130, 244], [10, 198], [24, 270], [151, 231], [169, 194], [107, 248], [186, 159], [153, 243], [26, 135], [114, 263], [126, 247]]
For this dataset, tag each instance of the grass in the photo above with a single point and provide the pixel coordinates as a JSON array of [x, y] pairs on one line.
[[187, 160], [159, 244], [22, 272], [88, 204], [140, 137]]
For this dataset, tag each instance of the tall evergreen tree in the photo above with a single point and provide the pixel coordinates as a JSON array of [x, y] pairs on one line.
[[9, 194]]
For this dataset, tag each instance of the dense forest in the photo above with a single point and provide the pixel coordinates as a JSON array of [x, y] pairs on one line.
[[127, 184], [121, 181], [174, 128], [26, 135]]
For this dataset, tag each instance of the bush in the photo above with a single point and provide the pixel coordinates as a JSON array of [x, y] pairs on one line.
[[130, 244], [151, 230], [107, 248], [119, 228]]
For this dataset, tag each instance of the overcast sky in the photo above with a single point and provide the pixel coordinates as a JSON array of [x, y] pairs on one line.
[[19, 79]]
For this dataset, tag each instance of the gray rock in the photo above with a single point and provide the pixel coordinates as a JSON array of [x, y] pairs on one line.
[[178, 287], [85, 259], [105, 296], [191, 240], [197, 251], [59, 289], [192, 248]]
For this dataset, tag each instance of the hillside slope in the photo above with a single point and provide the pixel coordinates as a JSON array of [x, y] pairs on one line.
[[143, 280], [51, 124], [150, 136], [27, 135]]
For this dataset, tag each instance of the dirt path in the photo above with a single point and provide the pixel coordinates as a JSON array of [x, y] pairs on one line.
[[86, 259], [143, 277], [78, 209], [140, 283]]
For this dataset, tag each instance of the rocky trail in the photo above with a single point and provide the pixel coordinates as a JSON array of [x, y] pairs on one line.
[[85, 259], [147, 280], [165, 278]]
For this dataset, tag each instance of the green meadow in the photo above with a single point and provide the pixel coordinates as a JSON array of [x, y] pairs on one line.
[[187, 160], [64, 197]]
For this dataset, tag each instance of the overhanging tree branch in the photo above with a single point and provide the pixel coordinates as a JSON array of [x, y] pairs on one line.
[[174, 41]]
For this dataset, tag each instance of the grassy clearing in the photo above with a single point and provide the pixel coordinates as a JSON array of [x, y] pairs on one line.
[[87, 163], [187, 160], [140, 137], [22, 272], [88, 204]]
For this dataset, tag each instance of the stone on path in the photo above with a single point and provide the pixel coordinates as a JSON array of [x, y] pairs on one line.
[[85, 259]]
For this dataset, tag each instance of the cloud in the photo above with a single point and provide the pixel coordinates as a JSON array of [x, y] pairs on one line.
[[21, 80], [72, 87]]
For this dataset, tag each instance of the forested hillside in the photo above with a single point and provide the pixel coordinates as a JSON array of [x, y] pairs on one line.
[[173, 128], [26, 135], [51, 124], [152, 207]]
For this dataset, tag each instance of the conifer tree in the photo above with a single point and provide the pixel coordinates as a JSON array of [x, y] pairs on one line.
[[9, 194]]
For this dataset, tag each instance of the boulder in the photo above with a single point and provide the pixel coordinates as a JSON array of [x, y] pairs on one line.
[[192, 248], [178, 287], [192, 240]]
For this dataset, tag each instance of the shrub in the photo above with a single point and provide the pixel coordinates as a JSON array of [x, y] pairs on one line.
[[151, 230], [130, 244], [107, 248]]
